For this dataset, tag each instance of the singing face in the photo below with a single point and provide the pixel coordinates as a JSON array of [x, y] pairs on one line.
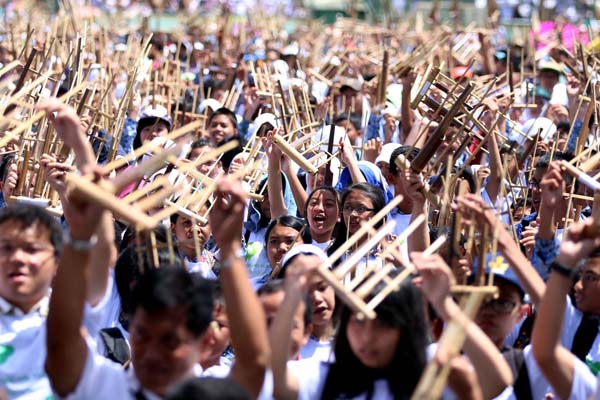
[[322, 213]]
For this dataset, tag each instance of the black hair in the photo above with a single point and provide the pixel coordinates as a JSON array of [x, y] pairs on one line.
[[129, 269], [26, 215], [160, 233], [228, 156], [354, 119], [213, 85], [512, 147], [403, 309], [290, 221], [208, 388], [278, 285], [198, 143], [544, 162], [377, 197], [409, 152], [165, 289], [564, 126]]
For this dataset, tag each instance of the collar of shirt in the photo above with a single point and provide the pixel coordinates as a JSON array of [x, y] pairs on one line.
[[41, 307]]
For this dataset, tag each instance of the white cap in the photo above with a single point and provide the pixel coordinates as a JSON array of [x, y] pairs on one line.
[[264, 118], [306, 249], [386, 153], [211, 103]]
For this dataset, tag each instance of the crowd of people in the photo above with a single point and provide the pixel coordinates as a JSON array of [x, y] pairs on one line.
[[306, 135]]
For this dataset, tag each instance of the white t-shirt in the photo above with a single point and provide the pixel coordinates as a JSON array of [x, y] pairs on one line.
[[583, 382], [23, 346], [104, 379], [317, 350], [312, 375], [571, 322], [402, 222]]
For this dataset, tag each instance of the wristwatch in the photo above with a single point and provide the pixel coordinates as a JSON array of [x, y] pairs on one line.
[[563, 270], [78, 244]]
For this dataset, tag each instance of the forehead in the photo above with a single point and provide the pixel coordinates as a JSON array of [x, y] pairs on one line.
[[323, 195], [156, 125], [507, 290], [220, 118], [271, 301], [13, 229], [593, 265], [357, 196], [280, 230]]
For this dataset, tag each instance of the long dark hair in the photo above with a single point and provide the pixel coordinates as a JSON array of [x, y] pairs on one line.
[[348, 377], [377, 197]]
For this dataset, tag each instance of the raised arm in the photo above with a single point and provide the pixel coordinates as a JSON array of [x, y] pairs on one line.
[[494, 181], [247, 321], [290, 170], [556, 362], [472, 206], [274, 187], [492, 369], [66, 347], [103, 255]]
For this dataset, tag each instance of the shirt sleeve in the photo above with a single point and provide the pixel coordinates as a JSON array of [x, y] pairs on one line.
[[584, 382], [101, 379], [544, 251]]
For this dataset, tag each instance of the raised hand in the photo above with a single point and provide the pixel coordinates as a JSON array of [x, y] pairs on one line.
[[552, 185], [10, 182], [578, 243], [372, 149], [227, 215], [435, 278], [55, 172]]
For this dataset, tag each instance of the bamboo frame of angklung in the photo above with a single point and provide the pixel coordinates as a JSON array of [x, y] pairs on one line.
[[103, 193], [433, 78]]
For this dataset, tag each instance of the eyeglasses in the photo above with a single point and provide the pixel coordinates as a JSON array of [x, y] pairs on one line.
[[360, 210], [500, 305]]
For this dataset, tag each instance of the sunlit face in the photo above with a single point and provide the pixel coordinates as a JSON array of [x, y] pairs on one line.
[[587, 288], [221, 128], [351, 131], [163, 350], [357, 208], [27, 263], [183, 230], [373, 342], [280, 240], [322, 212], [159, 129]]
